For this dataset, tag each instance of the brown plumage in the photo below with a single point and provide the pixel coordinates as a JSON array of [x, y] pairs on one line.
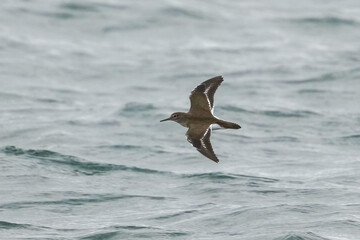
[[200, 117]]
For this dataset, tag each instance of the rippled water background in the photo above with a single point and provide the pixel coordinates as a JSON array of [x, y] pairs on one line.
[[85, 83]]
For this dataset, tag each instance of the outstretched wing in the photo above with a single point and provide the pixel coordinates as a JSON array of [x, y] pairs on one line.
[[202, 97], [199, 137]]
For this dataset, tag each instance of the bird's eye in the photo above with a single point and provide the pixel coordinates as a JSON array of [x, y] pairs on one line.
[[175, 115]]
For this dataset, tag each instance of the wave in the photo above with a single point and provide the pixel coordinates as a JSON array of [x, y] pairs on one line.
[[56, 15], [322, 78], [350, 139], [67, 11], [10, 225], [281, 139], [76, 164], [288, 114], [79, 7], [48, 100], [234, 109], [122, 147], [123, 27], [81, 166], [327, 21], [310, 91], [81, 200], [180, 12], [94, 122], [344, 140], [133, 107], [102, 236], [272, 113], [329, 77], [225, 176], [173, 215], [137, 232], [301, 236], [10, 96], [357, 136]]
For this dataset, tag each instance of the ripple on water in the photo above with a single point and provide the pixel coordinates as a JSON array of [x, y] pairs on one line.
[[346, 140], [134, 107], [74, 164], [11, 225], [234, 109], [271, 113], [352, 138], [180, 12], [352, 73], [288, 114], [103, 235], [301, 236], [175, 215], [133, 232], [122, 147], [325, 21], [228, 176], [311, 91], [79, 7], [81, 200]]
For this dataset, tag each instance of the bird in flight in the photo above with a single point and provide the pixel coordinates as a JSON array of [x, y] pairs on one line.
[[200, 117]]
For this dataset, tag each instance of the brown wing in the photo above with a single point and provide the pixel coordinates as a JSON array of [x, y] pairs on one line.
[[202, 97], [199, 137]]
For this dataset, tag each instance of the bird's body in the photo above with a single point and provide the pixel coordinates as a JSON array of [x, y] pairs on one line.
[[186, 120], [200, 117]]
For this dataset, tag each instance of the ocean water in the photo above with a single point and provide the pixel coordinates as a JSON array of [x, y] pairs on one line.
[[83, 85]]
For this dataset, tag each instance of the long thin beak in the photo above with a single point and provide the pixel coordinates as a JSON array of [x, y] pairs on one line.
[[165, 119]]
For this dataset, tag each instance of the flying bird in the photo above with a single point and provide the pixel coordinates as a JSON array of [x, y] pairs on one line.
[[200, 117]]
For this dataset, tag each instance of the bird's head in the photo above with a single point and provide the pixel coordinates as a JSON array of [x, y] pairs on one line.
[[178, 117]]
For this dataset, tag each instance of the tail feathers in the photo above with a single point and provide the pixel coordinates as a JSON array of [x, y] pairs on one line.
[[226, 124]]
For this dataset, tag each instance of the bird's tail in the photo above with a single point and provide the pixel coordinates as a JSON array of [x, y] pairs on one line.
[[226, 124]]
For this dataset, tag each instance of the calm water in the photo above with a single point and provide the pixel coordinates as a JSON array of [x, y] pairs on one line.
[[84, 85]]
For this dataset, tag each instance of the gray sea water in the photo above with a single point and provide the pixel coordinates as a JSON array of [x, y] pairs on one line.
[[83, 85]]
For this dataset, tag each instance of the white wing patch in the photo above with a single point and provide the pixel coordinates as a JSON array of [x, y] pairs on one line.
[[207, 98]]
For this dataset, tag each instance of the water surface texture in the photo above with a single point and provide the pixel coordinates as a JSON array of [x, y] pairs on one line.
[[84, 85]]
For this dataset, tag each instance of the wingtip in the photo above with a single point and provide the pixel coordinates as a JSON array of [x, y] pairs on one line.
[[220, 77], [215, 159]]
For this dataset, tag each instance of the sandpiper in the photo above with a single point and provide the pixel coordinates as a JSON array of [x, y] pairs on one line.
[[200, 117]]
